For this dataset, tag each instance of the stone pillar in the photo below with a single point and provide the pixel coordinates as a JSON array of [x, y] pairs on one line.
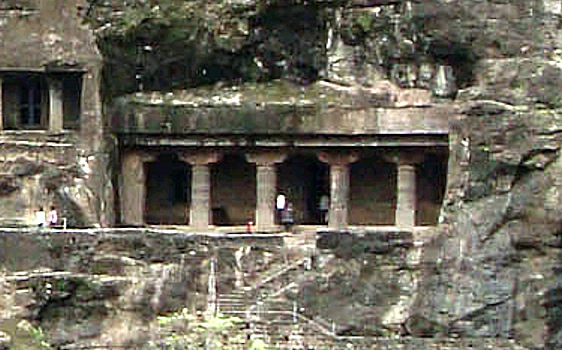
[[133, 190], [339, 187], [56, 113], [199, 213], [406, 195], [405, 215], [266, 184]]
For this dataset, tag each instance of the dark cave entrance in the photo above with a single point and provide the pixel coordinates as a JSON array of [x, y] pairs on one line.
[[233, 190], [431, 182], [303, 179], [372, 192], [168, 191]]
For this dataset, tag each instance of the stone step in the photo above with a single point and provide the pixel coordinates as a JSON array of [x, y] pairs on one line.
[[225, 308], [233, 301], [232, 311], [232, 304], [232, 296], [230, 299]]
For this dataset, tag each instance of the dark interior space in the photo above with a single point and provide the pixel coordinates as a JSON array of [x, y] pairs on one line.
[[72, 98], [431, 182], [372, 192], [168, 191], [25, 101], [303, 179], [233, 191]]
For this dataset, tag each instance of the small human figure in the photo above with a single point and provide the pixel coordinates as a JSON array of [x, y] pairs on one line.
[[249, 226], [280, 203], [323, 207], [52, 217], [287, 216], [40, 217]]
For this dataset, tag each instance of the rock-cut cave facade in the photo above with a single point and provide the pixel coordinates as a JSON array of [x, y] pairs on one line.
[[213, 156]]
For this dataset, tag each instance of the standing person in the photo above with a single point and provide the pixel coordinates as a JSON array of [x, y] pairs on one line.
[[280, 203], [287, 216], [52, 217], [40, 217]]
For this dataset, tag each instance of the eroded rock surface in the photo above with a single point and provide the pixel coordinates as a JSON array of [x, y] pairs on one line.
[[491, 270]]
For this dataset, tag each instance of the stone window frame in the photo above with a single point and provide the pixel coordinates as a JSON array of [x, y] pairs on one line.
[[52, 84]]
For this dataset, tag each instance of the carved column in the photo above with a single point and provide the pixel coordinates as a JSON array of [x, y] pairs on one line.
[[133, 190], [199, 213], [339, 186], [56, 113], [405, 215], [266, 183]]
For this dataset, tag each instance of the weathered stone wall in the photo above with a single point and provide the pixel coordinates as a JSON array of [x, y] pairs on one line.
[[493, 270], [499, 247], [37, 173], [71, 170], [281, 107], [106, 288]]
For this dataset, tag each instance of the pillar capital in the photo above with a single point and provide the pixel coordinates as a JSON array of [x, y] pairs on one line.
[[199, 157], [338, 158], [140, 156], [404, 157], [265, 158]]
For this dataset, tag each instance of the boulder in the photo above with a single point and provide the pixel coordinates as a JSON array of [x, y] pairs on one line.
[[5, 341]]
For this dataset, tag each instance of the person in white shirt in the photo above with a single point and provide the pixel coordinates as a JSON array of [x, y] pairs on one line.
[[40, 217], [280, 204]]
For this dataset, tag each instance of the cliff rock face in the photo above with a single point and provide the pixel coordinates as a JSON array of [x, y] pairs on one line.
[[498, 250], [67, 168], [490, 269], [492, 266]]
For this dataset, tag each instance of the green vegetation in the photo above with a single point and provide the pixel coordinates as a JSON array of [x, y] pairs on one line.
[[169, 45], [184, 330], [27, 336], [39, 337]]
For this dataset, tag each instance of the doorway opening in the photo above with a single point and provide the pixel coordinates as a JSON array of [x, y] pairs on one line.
[[233, 191], [431, 182], [372, 192], [168, 191], [303, 179]]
